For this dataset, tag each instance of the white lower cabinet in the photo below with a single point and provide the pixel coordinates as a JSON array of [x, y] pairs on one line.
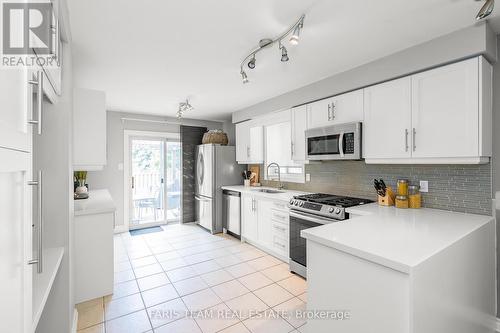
[[265, 224]]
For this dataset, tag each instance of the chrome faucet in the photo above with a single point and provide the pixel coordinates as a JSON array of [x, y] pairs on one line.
[[280, 184]]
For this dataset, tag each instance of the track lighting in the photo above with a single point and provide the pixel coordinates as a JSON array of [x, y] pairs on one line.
[[284, 54], [244, 77], [486, 10], [294, 39], [183, 107], [293, 32], [251, 63]]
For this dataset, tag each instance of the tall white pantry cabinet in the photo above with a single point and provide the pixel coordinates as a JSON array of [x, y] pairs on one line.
[[34, 243]]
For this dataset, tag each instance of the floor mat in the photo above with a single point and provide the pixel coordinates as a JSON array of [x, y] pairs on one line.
[[145, 231]]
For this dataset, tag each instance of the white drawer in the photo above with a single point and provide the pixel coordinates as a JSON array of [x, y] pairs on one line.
[[280, 245], [279, 215], [279, 229], [282, 205]]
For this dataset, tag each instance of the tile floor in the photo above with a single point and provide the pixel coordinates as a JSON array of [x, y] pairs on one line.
[[186, 280]]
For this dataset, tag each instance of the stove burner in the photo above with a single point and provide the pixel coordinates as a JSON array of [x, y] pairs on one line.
[[332, 200]]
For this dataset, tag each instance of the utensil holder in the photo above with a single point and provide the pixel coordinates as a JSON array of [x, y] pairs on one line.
[[246, 182], [388, 199]]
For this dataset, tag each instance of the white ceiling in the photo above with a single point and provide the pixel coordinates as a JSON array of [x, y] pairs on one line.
[[149, 55]]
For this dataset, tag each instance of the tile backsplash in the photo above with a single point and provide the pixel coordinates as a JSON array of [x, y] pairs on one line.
[[461, 188]]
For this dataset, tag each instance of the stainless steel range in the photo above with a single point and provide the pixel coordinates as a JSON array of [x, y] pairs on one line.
[[312, 210]]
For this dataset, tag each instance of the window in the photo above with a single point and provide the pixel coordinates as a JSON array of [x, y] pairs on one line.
[[278, 150]]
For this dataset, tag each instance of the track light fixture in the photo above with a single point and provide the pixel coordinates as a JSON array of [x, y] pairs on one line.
[[183, 107], [251, 63], [293, 31], [486, 10], [284, 54], [244, 76]]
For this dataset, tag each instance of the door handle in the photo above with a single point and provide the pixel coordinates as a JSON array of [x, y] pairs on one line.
[[341, 144], [406, 139], [333, 110], [329, 110], [414, 137], [39, 83], [39, 261], [133, 182], [291, 148]]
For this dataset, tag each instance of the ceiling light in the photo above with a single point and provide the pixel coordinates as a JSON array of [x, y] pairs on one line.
[[244, 77], [294, 39], [284, 54], [486, 10], [293, 31], [183, 107], [251, 63]]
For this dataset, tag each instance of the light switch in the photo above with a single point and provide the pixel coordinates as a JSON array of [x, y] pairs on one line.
[[424, 186]]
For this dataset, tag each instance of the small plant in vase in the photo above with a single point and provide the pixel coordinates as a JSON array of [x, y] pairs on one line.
[[81, 179]]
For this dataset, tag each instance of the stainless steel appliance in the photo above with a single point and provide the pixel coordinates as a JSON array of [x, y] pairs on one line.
[[215, 166], [337, 142], [312, 210], [232, 212]]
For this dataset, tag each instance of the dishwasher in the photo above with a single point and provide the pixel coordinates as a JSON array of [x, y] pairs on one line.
[[232, 215]]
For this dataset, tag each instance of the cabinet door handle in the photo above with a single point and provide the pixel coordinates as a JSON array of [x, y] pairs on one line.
[[329, 111], [291, 148], [280, 245], [333, 110], [279, 228], [414, 136], [248, 152], [406, 139], [39, 261], [38, 82], [133, 182]]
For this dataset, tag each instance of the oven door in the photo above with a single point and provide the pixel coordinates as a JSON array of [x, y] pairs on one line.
[[298, 222]]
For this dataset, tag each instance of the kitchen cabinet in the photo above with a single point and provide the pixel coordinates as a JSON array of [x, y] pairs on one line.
[[89, 129], [387, 124], [340, 109], [15, 240], [93, 257], [265, 224], [447, 118], [298, 128], [249, 216], [249, 142]]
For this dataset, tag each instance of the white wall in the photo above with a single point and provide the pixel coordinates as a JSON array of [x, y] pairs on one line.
[[111, 177]]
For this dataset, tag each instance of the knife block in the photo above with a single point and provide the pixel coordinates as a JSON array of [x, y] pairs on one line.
[[388, 199]]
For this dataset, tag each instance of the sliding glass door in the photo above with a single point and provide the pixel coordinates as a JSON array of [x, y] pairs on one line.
[[155, 171]]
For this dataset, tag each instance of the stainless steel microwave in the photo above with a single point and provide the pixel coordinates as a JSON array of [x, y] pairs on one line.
[[336, 142]]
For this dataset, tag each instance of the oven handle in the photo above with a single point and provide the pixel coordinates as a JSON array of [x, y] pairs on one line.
[[312, 218]]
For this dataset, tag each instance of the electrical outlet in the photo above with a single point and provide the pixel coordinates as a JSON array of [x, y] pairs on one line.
[[308, 177], [424, 186]]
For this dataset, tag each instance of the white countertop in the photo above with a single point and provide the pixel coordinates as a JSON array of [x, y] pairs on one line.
[[286, 195], [99, 202], [397, 238]]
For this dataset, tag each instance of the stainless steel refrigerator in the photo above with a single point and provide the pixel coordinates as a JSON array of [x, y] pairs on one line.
[[216, 166]]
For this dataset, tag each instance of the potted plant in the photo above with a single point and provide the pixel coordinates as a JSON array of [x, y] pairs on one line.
[[81, 179]]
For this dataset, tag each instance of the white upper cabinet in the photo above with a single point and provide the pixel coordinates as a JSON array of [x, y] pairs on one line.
[[339, 109], [299, 126], [387, 124], [15, 102], [448, 119], [249, 142], [89, 129], [445, 111]]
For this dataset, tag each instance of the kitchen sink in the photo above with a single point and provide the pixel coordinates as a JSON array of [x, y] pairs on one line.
[[266, 190]]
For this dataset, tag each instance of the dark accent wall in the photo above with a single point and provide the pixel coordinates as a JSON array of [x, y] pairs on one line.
[[459, 188], [191, 136]]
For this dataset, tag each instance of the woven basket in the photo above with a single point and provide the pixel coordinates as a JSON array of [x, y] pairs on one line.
[[215, 137]]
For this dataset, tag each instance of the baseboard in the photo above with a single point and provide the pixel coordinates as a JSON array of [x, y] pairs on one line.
[[75, 321], [120, 228]]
